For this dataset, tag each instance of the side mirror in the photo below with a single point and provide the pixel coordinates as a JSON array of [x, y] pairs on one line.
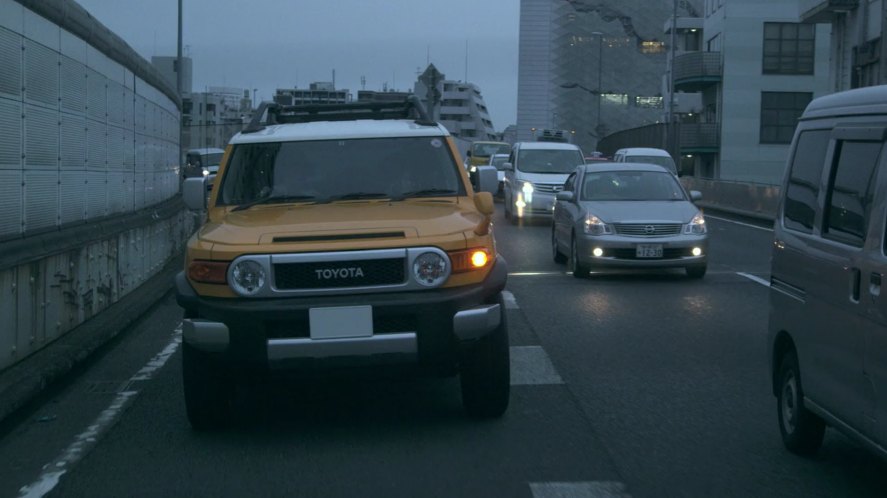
[[564, 195], [507, 167], [483, 201], [695, 195], [194, 193], [487, 179]]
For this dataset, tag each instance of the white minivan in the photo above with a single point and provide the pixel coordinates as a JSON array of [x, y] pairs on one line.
[[647, 155], [534, 173], [827, 337]]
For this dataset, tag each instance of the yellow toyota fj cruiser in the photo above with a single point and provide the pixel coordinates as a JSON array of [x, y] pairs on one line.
[[342, 236]]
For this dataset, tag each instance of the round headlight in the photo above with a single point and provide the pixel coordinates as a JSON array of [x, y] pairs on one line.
[[430, 269], [247, 278]]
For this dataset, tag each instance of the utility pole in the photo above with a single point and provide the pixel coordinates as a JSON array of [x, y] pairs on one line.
[[179, 88]]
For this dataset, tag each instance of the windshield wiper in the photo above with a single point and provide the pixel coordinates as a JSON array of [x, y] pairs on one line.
[[353, 196], [274, 199], [428, 192]]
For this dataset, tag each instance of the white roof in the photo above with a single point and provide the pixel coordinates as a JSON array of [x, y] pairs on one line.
[[331, 130], [206, 151], [547, 145], [645, 151]]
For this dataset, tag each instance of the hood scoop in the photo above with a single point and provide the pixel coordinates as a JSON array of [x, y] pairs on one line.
[[339, 237]]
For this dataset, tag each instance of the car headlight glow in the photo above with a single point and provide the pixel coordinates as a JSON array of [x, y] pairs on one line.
[[696, 226], [248, 278], [205, 172], [430, 269], [596, 226], [527, 189]]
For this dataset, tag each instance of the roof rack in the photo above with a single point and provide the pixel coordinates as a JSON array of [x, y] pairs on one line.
[[271, 113]]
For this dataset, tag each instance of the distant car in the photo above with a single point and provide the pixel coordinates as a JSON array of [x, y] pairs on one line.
[[646, 155], [597, 159], [480, 152], [202, 162], [628, 215], [498, 161], [536, 171]]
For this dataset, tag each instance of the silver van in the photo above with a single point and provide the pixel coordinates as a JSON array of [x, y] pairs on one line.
[[534, 174], [827, 338]]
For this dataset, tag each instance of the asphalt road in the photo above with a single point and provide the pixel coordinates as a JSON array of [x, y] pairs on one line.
[[642, 384]]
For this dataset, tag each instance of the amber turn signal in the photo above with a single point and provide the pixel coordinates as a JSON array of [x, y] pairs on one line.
[[208, 272], [472, 259]]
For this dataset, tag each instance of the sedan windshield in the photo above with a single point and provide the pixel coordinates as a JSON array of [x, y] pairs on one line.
[[488, 149], [631, 186], [561, 161], [664, 161], [331, 170]]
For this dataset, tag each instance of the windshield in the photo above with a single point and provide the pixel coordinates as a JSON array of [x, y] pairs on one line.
[[560, 161], [212, 160], [328, 170], [631, 186], [663, 161], [488, 149], [498, 161]]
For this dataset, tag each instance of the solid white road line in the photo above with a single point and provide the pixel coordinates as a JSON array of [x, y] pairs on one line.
[[530, 365], [739, 223], [510, 301], [536, 273], [590, 489], [754, 278], [87, 440]]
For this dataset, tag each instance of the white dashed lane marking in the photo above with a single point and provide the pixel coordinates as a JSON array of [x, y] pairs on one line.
[[530, 366], [754, 278], [590, 489], [510, 301], [86, 440], [748, 225]]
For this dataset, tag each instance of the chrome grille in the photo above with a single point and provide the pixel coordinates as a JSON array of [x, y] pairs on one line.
[[548, 188], [648, 229]]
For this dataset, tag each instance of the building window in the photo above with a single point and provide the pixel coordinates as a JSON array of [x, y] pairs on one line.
[[649, 102], [615, 98], [789, 48], [779, 115]]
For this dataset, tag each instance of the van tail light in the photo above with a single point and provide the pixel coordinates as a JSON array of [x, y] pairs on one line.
[[470, 260], [208, 272]]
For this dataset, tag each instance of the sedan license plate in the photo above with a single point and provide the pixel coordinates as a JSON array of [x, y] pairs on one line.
[[341, 322], [649, 251]]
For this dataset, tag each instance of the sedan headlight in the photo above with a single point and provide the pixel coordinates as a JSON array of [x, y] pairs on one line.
[[205, 172], [596, 226], [431, 269], [696, 226], [248, 278]]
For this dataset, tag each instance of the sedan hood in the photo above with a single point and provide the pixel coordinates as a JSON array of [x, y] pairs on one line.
[[642, 211]]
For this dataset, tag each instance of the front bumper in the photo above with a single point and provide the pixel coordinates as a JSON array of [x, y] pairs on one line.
[[423, 327], [621, 251]]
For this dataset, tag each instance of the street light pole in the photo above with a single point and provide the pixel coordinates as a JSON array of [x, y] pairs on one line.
[[600, 71], [179, 88]]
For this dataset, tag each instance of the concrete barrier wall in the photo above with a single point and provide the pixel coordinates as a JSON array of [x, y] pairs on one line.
[[746, 199]]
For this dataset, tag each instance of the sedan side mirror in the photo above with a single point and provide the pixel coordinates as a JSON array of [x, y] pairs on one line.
[[564, 195], [695, 195]]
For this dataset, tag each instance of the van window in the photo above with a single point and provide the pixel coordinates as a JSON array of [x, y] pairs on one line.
[[803, 183], [850, 191]]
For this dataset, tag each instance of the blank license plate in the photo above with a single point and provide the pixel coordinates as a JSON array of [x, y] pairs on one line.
[[649, 251], [341, 322]]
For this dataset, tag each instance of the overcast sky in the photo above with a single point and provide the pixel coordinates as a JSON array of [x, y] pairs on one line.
[[269, 44]]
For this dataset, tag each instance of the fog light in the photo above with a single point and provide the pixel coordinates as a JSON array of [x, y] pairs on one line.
[[697, 251], [598, 252]]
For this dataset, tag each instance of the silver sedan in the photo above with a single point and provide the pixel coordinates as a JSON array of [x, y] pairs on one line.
[[628, 215]]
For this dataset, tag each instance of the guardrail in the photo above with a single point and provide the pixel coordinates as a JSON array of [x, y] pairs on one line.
[[756, 200]]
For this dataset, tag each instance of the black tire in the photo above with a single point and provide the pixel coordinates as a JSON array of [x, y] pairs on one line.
[[208, 390], [556, 254], [579, 269], [696, 271], [485, 373], [802, 430], [506, 206]]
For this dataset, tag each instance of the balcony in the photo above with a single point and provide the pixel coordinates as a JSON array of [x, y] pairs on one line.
[[700, 138], [824, 11], [695, 71]]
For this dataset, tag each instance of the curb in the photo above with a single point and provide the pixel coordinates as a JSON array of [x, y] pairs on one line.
[[25, 381]]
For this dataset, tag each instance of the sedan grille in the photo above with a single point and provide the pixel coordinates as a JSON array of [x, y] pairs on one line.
[[548, 188], [648, 230], [339, 274]]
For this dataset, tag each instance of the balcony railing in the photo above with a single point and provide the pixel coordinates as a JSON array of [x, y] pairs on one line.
[[819, 11], [697, 70], [700, 137]]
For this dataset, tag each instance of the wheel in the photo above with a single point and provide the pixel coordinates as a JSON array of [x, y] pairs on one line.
[[485, 373], [696, 271], [208, 390], [802, 430], [556, 254], [579, 269]]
